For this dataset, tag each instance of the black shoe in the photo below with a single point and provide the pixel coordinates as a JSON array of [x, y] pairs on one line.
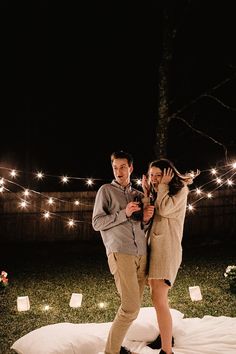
[[162, 352], [124, 350], [156, 344]]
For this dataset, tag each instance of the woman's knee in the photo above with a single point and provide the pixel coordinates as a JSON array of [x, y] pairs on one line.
[[159, 299], [159, 302]]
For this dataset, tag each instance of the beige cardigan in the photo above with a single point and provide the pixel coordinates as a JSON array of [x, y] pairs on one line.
[[166, 232]]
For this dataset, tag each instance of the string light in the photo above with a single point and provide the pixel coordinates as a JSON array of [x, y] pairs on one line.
[[13, 173], [190, 207], [198, 191], [218, 180], [26, 192], [224, 176], [23, 204], [71, 223], [50, 201], [138, 182], [229, 182], [89, 182], [64, 179], [214, 171], [46, 215], [39, 175]]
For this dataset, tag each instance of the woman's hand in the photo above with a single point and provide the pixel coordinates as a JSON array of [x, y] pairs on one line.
[[148, 213], [167, 176], [145, 186]]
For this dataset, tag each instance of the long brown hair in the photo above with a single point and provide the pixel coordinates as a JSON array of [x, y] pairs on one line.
[[179, 180]]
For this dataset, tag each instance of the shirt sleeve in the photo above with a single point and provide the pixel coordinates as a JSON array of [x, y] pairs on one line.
[[169, 205], [102, 218]]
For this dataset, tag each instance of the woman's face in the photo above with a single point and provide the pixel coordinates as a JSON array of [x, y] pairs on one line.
[[155, 176]]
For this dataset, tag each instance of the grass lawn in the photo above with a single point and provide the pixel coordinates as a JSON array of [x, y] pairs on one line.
[[49, 273]]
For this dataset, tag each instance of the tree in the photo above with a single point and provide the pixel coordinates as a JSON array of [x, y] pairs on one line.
[[174, 15]]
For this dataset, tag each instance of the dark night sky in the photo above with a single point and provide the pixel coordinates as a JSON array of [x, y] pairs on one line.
[[81, 82]]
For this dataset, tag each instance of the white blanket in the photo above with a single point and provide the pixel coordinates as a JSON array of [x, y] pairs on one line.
[[207, 335]]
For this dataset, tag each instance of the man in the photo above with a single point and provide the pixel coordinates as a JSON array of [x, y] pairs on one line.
[[122, 222]]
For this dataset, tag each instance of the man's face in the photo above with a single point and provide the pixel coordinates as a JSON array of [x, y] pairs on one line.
[[122, 171]]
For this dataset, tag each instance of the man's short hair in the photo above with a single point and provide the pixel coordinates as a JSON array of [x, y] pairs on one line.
[[122, 155]]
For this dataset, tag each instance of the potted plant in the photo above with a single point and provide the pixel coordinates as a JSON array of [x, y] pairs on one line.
[[230, 274], [3, 279]]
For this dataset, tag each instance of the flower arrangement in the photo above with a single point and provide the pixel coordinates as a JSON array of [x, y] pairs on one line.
[[3, 279], [230, 273]]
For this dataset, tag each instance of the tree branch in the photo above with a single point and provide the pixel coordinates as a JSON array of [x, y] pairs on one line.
[[206, 94], [220, 102], [204, 135]]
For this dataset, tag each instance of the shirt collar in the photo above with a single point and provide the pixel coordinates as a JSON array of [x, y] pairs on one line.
[[115, 183]]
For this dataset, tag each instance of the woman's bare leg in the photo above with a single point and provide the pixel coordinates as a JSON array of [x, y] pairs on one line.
[[159, 293]]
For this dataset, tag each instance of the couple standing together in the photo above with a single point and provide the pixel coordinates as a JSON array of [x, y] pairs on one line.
[[131, 230]]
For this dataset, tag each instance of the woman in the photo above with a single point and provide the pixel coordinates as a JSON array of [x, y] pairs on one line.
[[167, 189]]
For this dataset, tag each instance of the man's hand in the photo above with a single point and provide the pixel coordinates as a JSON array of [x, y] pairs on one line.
[[131, 208]]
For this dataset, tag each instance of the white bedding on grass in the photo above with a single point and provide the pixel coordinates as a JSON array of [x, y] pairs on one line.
[[207, 335]]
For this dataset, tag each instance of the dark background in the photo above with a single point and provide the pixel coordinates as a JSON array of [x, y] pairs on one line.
[[80, 82]]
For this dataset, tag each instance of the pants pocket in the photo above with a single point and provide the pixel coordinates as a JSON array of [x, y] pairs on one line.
[[112, 263]]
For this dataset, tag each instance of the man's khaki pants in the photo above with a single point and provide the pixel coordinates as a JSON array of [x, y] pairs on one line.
[[130, 277]]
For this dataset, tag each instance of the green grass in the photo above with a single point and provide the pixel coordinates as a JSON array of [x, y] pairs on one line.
[[49, 274]]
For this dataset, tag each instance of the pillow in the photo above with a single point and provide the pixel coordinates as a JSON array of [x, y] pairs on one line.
[[145, 327], [59, 338]]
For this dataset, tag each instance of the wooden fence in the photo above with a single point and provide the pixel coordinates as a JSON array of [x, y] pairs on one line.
[[212, 221], [29, 224]]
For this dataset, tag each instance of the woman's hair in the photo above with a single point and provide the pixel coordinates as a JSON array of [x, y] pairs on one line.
[[179, 179]]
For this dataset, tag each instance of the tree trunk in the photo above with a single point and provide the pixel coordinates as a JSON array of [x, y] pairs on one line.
[[164, 79]]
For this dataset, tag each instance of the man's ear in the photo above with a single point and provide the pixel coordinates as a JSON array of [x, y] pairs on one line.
[[131, 168]]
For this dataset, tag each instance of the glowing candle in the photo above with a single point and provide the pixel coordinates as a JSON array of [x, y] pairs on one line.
[[195, 293], [23, 303], [75, 300]]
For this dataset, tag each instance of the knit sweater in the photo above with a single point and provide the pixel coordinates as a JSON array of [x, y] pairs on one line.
[[166, 232]]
